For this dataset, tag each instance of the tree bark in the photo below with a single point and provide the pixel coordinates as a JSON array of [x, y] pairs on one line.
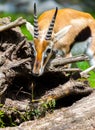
[[79, 116]]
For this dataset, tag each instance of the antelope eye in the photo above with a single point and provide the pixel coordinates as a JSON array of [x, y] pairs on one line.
[[48, 50]]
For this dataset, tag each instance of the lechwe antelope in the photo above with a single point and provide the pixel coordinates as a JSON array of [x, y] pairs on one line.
[[57, 31]]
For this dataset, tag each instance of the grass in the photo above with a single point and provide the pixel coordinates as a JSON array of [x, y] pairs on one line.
[[91, 79]]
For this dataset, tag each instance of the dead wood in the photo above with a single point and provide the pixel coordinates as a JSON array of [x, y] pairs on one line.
[[79, 116], [64, 61], [19, 101], [85, 72], [13, 24], [13, 48], [69, 88], [16, 59], [58, 64]]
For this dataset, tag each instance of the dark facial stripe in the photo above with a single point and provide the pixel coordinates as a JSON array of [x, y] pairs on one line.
[[50, 29]]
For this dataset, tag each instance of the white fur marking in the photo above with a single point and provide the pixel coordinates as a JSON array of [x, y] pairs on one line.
[[92, 61], [30, 28], [79, 21], [61, 33], [89, 53]]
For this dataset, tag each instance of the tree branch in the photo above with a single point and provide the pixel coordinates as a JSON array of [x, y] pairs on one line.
[[63, 61], [13, 24], [69, 88]]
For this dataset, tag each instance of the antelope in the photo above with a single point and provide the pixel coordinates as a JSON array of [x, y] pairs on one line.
[[56, 32]]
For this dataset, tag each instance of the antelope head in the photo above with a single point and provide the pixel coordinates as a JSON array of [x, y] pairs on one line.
[[43, 44]]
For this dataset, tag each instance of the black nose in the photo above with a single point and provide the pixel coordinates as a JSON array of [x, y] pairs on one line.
[[35, 74]]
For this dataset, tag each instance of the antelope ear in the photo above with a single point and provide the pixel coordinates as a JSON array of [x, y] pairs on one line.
[[30, 28], [61, 33]]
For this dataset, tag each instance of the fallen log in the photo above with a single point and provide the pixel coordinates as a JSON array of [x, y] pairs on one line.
[[79, 116], [71, 87]]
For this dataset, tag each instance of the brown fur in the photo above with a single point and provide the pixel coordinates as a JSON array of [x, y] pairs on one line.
[[79, 20]]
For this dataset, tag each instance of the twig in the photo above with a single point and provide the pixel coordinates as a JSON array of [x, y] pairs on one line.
[[85, 72], [9, 51], [64, 61], [2, 75], [6, 54], [19, 91], [17, 63], [19, 46], [13, 24], [65, 70]]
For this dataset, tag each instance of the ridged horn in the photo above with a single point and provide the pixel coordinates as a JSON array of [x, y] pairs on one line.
[[36, 29], [51, 26]]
